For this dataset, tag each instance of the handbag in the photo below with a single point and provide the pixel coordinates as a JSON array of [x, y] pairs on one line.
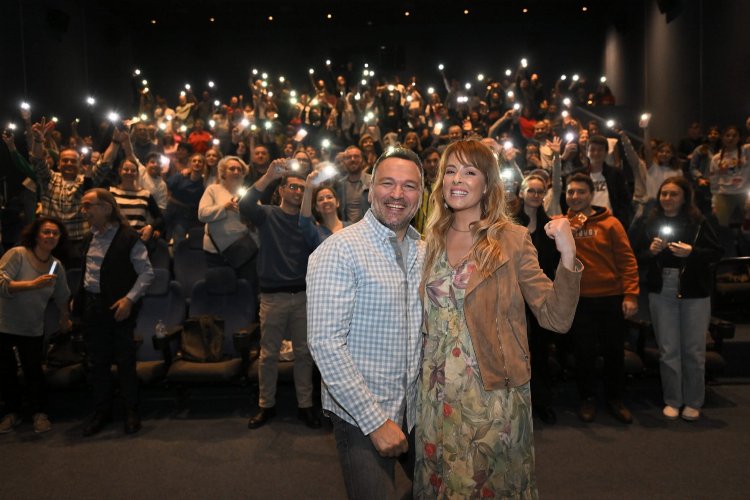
[[65, 349], [239, 252], [202, 339]]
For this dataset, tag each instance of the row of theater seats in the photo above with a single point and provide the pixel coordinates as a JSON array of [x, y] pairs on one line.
[[219, 294]]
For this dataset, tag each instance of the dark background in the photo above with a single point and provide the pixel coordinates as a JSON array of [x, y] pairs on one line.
[[55, 52]]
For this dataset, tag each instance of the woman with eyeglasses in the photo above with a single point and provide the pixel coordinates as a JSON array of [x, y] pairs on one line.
[[531, 214], [30, 274]]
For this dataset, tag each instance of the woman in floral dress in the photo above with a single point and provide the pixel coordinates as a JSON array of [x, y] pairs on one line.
[[474, 431]]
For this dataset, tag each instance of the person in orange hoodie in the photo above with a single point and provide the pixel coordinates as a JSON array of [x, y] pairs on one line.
[[609, 295]]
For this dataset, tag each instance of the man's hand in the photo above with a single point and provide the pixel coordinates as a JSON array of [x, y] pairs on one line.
[[629, 308], [64, 323], [554, 145], [389, 439], [146, 232], [122, 309]]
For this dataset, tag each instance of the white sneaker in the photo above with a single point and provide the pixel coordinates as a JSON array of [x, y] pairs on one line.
[[42, 423], [671, 412], [690, 414], [9, 422]]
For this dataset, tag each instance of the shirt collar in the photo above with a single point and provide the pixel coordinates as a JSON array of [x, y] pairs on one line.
[[385, 234], [108, 228]]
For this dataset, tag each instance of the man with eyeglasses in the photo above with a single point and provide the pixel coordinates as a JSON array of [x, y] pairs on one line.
[[352, 190], [282, 265]]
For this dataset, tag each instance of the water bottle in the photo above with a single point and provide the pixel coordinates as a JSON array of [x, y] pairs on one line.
[[160, 330]]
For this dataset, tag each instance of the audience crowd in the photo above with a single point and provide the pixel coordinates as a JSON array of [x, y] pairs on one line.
[[272, 172]]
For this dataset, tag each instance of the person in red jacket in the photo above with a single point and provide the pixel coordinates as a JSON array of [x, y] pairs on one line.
[[200, 139], [609, 295]]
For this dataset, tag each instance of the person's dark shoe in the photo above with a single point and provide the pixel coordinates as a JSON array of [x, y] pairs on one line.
[[260, 418], [96, 424], [545, 413], [619, 411], [132, 422], [310, 416], [587, 411]]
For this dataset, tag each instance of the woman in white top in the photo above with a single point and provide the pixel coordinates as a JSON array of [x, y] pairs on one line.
[[729, 175], [219, 210]]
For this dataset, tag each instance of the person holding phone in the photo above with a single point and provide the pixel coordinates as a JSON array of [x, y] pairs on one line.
[[677, 245], [29, 276]]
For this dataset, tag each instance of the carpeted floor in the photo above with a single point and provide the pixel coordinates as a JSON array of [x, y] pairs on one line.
[[208, 452]]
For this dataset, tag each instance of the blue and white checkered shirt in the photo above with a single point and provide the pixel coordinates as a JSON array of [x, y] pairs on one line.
[[364, 321]]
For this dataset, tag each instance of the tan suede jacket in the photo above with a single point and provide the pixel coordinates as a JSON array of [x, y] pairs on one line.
[[495, 313]]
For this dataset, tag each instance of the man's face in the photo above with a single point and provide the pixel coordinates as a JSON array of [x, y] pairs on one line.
[[69, 164], [578, 196], [431, 164], [141, 133], [597, 153], [95, 211], [540, 131], [292, 191], [395, 193], [153, 167], [353, 160], [260, 156], [454, 133]]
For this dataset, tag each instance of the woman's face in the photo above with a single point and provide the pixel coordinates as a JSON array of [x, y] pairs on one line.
[[233, 174], [664, 155], [533, 195], [368, 144], [48, 236], [212, 158], [311, 152], [411, 140], [128, 172], [464, 185], [730, 138], [326, 202], [671, 198]]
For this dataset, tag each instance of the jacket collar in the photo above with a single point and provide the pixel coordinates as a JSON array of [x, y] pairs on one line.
[[476, 277]]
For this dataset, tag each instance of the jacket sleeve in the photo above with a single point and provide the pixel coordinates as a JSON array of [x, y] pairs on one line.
[[553, 303], [624, 259], [706, 248]]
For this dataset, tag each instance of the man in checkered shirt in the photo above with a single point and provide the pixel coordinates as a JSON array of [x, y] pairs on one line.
[[364, 328]]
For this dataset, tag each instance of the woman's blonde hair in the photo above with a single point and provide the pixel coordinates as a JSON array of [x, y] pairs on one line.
[[486, 231]]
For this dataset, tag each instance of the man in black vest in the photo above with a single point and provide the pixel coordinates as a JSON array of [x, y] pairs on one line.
[[116, 275]]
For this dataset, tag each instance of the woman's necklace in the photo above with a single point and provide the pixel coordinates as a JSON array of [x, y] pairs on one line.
[[43, 261], [460, 230]]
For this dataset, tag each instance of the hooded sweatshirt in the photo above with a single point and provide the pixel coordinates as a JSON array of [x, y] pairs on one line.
[[609, 265]]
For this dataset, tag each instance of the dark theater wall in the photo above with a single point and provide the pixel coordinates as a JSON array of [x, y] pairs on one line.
[[694, 67], [691, 68]]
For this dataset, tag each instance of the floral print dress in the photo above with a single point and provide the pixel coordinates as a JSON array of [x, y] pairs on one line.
[[470, 443]]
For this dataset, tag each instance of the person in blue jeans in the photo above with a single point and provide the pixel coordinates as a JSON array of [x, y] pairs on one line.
[[678, 246]]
